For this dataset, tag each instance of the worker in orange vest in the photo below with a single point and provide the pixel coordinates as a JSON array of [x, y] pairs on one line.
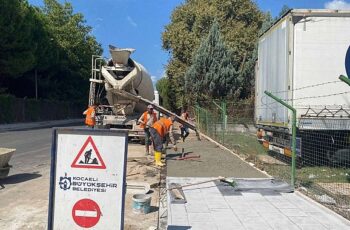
[[158, 132], [146, 121], [90, 116]]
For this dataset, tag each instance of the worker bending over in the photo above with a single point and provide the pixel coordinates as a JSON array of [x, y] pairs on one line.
[[158, 132], [146, 121]]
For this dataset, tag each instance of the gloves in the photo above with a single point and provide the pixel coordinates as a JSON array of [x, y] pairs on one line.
[[175, 148]]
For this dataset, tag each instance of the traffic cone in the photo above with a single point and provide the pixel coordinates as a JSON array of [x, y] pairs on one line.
[[157, 158]]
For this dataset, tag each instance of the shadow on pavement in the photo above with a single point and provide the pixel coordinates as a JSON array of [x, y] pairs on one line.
[[153, 209], [18, 178]]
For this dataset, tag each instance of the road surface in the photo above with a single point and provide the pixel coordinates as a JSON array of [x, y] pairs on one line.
[[24, 194]]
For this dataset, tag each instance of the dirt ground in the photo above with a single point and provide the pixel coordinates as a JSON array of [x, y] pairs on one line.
[[141, 169]]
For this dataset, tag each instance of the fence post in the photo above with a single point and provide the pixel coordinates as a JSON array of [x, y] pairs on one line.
[[224, 114], [206, 122], [224, 120], [294, 127]]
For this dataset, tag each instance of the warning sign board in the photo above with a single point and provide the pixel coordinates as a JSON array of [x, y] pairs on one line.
[[87, 177], [89, 156]]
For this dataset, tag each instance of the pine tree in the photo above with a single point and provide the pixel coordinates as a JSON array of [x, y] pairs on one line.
[[191, 21], [213, 73]]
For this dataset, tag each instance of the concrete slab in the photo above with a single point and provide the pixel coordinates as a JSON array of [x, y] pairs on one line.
[[208, 209]]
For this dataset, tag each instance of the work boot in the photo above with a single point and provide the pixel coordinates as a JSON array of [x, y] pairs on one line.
[[157, 158]]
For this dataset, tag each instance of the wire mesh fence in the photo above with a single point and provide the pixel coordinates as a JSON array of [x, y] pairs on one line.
[[322, 148]]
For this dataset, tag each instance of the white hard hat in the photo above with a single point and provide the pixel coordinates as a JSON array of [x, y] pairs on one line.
[[150, 107]]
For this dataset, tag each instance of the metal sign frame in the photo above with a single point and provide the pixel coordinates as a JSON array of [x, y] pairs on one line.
[[87, 132]]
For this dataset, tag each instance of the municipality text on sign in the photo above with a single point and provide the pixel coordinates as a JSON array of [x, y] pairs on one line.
[[89, 182]]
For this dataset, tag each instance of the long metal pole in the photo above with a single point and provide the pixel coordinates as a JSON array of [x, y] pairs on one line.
[[294, 128]]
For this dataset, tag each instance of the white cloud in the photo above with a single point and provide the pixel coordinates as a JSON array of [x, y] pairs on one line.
[[154, 79], [131, 21], [337, 5], [99, 19]]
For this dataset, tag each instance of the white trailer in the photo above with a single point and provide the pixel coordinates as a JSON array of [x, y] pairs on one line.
[[299, 60]]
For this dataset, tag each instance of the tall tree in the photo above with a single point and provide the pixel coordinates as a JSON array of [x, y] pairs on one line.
[[284, 9], [239, 23], [267, 22], [162, 86], [75, 45], [17, 44], [51, 41], [213, 69]]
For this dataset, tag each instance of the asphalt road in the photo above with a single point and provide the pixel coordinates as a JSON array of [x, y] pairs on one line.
[[24, 193]]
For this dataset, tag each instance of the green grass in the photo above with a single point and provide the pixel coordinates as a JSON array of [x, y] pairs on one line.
[[247, 144], [323, 174], [243, 143]]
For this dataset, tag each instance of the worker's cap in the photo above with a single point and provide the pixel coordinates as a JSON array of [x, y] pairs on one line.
[[150, 107]]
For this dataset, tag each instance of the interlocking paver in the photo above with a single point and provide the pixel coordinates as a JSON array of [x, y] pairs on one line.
[[293, 212], [200, 217], [211, 210], [304, 220], [206, 226], [197, 208], [255, 223], [225, 217], [281, 223], [312, 227]]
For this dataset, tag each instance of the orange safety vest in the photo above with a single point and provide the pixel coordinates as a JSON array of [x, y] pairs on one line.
[[90, 116], [162, 126], [145, 119]]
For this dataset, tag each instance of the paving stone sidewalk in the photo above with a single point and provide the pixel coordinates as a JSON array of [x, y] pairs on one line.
[[208, 208]]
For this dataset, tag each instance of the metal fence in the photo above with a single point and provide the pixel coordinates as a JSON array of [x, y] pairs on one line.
[[322, 169], [13, 110]]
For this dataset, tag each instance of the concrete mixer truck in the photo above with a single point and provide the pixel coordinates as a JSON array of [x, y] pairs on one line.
[[122, 89]]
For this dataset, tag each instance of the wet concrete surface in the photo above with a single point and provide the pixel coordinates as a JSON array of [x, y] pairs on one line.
[[213, 161]]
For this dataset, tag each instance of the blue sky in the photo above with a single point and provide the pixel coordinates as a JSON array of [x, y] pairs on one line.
[[139, 23]]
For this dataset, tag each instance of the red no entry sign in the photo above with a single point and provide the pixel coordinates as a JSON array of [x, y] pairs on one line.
[[86, 213]]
